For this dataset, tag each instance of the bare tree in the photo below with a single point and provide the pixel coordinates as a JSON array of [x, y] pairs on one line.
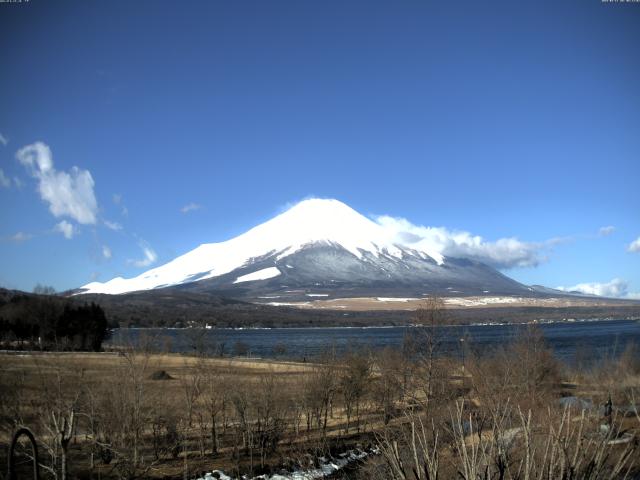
[[44, 289], [320, 390], [386, 387], [214, 395], [354, 384], [190, 382], [57, 410], [429, 318]]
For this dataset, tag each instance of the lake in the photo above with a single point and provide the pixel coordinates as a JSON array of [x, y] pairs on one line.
[[592, 340]]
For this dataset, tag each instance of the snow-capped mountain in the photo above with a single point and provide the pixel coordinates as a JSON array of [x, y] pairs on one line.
[[318, 247]]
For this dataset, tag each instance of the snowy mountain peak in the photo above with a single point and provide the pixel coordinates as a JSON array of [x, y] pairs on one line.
[[320, 220], [310, 222]]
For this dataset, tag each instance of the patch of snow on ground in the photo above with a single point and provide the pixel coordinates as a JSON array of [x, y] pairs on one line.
[[394, 299], [476, 301], [263, 274], [287, 304], [327, 467]]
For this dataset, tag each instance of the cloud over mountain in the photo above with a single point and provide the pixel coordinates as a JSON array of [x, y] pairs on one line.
[[149, 257], [440, 241], [616, 288]]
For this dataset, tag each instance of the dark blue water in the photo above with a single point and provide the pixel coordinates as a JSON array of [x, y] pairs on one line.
[[587, 340]]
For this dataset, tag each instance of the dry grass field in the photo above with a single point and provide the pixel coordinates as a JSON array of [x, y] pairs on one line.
[[172, 390]]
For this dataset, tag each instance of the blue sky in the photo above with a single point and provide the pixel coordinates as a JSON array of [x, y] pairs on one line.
[[501, 119]]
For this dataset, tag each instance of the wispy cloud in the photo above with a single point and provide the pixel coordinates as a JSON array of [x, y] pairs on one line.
[[606, 231], [106, 252], [5, 182], [112, 225], [117, 199], [67, 193], [439, 242], [3, 140], [20, 237], [616, 288], [66, 229], [190, 207], [149, 257], [634, 246]]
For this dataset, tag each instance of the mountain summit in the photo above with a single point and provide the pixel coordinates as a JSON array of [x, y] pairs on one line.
[[317, 247]]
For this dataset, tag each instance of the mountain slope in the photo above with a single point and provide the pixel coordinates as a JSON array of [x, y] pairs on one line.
[[329, 271], [322, 248]]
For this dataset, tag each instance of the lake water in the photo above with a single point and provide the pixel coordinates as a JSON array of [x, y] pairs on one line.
[[590, 340]]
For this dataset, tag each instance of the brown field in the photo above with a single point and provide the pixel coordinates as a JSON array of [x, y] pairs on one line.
[[26, 378]]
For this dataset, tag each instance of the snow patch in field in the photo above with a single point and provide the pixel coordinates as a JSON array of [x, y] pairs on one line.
[[263, 274], [395, 299], [476, 301], [287, 304], [327, 468]]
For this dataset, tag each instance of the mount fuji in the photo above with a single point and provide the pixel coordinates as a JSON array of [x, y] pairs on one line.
[[318, 248]]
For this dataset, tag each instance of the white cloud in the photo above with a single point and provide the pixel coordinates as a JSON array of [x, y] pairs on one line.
[[20, 237], [68, 193], [112, 225], [439, 241], [3, 140], [616, 288], [190, 207], [65, 228], [150, 257], [4, 180], [634, 246], [17, 182], [106, 252], [606, 231]]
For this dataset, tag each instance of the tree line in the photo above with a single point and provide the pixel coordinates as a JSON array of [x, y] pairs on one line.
[[48, 322]]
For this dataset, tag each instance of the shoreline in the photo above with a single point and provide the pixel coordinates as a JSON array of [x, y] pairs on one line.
[[409, 325]]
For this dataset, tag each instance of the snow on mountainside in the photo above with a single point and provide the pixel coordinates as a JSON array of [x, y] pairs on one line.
[[311, 222]]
